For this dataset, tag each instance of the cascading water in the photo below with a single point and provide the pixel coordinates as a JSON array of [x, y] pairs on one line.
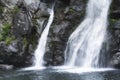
[[39, 52], [85, 43], [38, 60]]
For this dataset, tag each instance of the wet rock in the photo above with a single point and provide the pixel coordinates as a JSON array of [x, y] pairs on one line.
[[30, 20], [67, 18], [6, 67]]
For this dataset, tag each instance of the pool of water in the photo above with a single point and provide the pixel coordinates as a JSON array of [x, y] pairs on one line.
[[53, 74]]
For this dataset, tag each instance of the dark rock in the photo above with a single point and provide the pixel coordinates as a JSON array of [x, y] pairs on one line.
[[115, 14], [117, 32], [67, 18], [12, 54], [67, 2], [22, 23], [115, 9], [115, 62], [114, 30], [117, 25], [48, 1]]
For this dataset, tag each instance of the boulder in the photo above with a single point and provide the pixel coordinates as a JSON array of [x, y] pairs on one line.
[[6, 67]]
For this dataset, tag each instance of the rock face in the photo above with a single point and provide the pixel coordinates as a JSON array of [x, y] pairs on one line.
[[8, 3], [115, 62], [22, 22], [21, 25], [115, 33], [67, 18], [16, 36]]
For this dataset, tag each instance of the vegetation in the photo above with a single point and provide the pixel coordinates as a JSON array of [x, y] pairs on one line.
[[71, 10], [112, 21], [25, 41], [1, 9], [5, 34], [15, 10], [9, 39]]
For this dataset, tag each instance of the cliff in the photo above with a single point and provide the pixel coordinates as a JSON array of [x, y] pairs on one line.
[[21, 24]]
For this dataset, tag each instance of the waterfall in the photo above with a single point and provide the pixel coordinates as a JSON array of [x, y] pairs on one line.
[[38, 60], [85, 43], [39, 52]]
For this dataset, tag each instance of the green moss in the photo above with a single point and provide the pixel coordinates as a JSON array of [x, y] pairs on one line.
[[112, 21], [6, 28], [15, 10], [5, 34], [1, 9], [71, 10], [9, 39], [25, 41], [1, 37]]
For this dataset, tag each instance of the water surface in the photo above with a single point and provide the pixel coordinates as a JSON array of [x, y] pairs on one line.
[[50, 74]]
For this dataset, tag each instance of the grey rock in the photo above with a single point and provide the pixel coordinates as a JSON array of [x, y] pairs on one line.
[[115, 61], [22, 23], [9, 3], [117, 25], [6, 67]]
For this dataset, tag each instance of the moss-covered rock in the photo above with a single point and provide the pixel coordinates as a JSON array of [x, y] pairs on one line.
[[5, 34]]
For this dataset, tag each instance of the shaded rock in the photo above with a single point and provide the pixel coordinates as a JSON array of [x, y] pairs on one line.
[[115, 9], [117, 32], [114, 30], [13, 54], [115, 62], [117, 25], [22, 24]]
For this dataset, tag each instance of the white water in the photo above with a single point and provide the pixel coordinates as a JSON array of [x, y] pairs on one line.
[[85, 43], [39, 52], [28, 2]]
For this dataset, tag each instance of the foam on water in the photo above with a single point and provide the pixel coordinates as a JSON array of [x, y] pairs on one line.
[[81, 70]]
